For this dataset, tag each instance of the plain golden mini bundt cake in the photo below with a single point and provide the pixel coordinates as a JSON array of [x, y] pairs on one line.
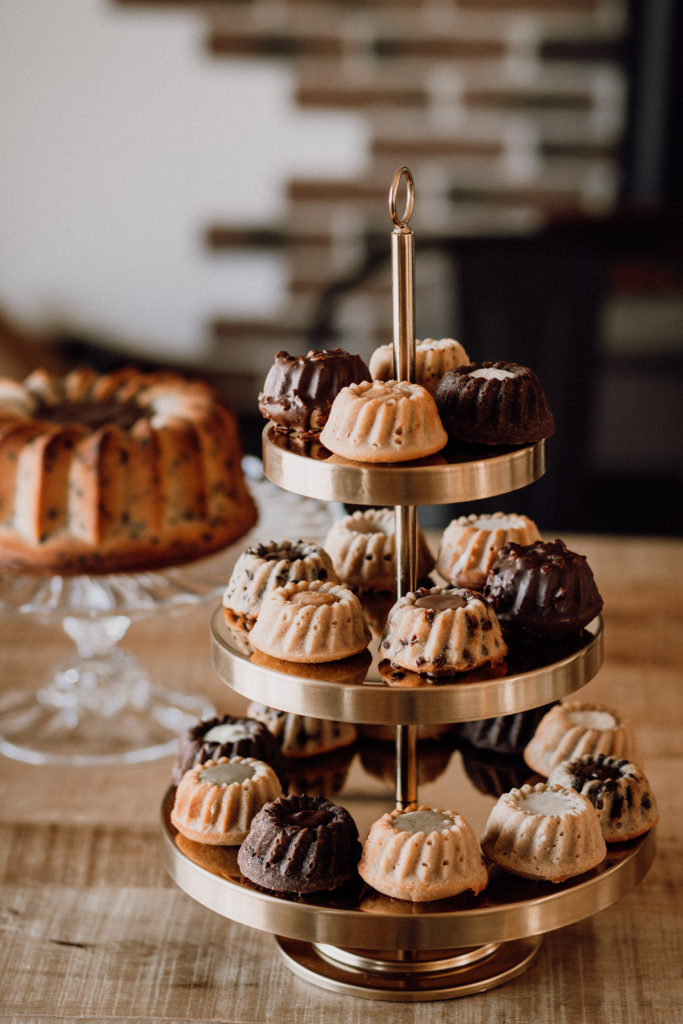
[[362, 547], [301, 736], [441, 631], [433, 356], [116, 472], [422, 854], [494, 403], [216, 801], [617, 789], [544, 832], [573, 729], [469, 545], [311, 622], [263, 567], [300, 844], [298, 391], [383, 421]]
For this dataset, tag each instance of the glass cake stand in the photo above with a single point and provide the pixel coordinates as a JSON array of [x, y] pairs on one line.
[[100, 706]]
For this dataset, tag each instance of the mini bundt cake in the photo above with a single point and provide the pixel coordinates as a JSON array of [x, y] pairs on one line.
[[225, 736], [263, 567], [300, 844], [311, 622], [362, 547], [494, 403], [469, 545], [433, 356], [542, 590], [116, 472], [574, 729], [617, 789], [504, 734], [383, 421], [422, 854], [298, 391], [300, 736], [216, 801], [441, 631], [544, 832]]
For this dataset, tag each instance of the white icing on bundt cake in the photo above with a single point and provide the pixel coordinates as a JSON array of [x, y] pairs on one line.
[[470, 543], [573, 729], [362, 547], [302, 736], [422, 854], [433, 356]]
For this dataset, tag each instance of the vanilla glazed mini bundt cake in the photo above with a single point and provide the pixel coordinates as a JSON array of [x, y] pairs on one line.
[[469, 545], [433, 356], [574, 729], [542, 590], [617, 789], [263, 567], [422, 854], [298, 391], [311, 621], [544, 832], [383, 421], [216, 801], [116, 472], [225, 736], [441, 631], [494, 403], [300, 844], [300, 736], [362, 547]]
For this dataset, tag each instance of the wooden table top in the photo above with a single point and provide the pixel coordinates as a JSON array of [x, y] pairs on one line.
[[92, 928]]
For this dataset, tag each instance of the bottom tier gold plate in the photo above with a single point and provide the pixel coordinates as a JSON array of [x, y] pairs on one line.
[[356, 941]]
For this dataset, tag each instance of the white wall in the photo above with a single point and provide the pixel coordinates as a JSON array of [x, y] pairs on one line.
[[121, 141]]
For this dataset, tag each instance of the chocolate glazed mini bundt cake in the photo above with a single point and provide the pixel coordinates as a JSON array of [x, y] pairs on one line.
[[494, 403], [433, 357], [116, 472], [300, 844], [362, 547], [504, 734], [298, 391], [617, 789], [225, 736], [542, 590]]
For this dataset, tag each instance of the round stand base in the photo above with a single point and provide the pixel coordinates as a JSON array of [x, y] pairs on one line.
[[409, 977]]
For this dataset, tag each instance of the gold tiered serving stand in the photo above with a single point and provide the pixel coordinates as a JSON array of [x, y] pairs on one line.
[[354, 940]]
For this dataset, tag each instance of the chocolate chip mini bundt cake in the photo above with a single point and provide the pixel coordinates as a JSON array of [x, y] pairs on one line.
[[300, 736], [617, 789], [311, 621], [470, 544], [298, 391], [383, 421], [542, 590], [116, 472], [263, 567], [422, 854], [433, 357], [442, 631], [300, 844], [494, 403], [362, 547], [216, 801], [574, 729], [225, 736], [544, 832]]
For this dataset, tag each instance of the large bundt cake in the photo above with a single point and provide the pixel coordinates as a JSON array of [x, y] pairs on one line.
[[362, 547], [441, 631], [383, 421], [494, 403], [263, 567], [216, 801], [116, 472], [298, 391], [573, 729], [225, 736], [542, 590], [300, 844], [544, 832], [433, 356], [422, 854], [617, 789], [470, 544]]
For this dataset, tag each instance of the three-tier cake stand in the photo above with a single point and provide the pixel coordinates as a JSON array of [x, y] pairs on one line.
[[353, 940]]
